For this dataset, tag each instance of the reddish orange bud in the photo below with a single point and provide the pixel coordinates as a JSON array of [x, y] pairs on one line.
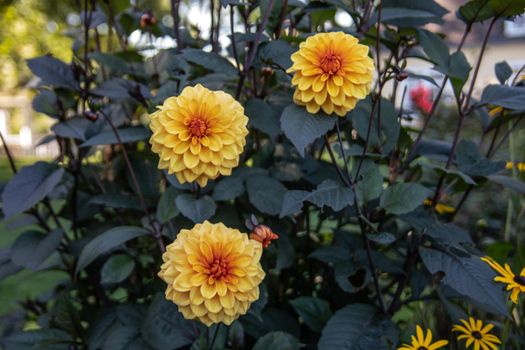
[[147, 19], [263, 234]]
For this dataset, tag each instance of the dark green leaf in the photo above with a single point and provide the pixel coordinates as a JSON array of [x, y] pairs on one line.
[[29, 186], [53, 72], [469, 276], [116, 269], [277, 341], [509, 182], [381, 237], [507, 8], [266, 194], [121, 89], [107, 241], [446, 234], [475, 11], [197, 210], [46, 102], [115, 63], [72, 128], [471, 162], [277, 52], [228, 188], [32, 248], [167, 208], [48, 339], [303, 128], [263, 117], [210, 60], [510, 97], [370, 183], [352, 326], [164, 326], [503, 71], [315, 312], [435, 47], [293, 202], [130, 134], [114, 200], [403, 197]]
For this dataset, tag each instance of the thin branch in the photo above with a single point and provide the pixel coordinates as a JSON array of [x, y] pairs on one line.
[[253, 49], [175, 14], [152, 223]]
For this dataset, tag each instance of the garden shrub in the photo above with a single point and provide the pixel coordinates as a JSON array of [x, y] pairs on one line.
[[271, 192]]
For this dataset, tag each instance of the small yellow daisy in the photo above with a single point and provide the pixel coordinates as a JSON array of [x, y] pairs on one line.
[[423, 342], [475, 333]]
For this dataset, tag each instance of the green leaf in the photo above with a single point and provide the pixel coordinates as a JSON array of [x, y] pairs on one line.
[[445, 234], [126, 135], [228, 188], [315, 312], [469, 276], [435, 47], [329, 193], [164, 326], [197, 210], [116, 269], [507, 8], [383, 238], [354, 327], [510, 97], [471, 162], [266, 194], [403, 197], [46, 102], [370, 183], [121, 89], [53, 72], [167, 208], [211, 61], [390, 128], [29, 186], [509, 182], [74, 128], [115, 63], [475, 11], [32, 248], [115, 200], [303, 128], [108, 240], [503, 71], [277, 341], [263, 117], [277, 52], [49, 339]]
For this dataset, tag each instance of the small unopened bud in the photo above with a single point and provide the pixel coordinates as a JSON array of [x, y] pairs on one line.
[[401, 76], [263, 234], [147, 19], [354, 134], [266, 71], [91, 116]]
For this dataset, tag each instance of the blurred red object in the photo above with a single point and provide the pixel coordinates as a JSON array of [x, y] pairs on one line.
[[421, 96]]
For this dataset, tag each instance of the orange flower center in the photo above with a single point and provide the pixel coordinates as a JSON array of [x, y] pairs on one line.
[[330, 64], [520, 280], [198, 127], [218, 268]]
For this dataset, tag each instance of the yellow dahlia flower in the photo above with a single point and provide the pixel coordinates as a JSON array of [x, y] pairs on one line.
[[213, 273], [423, 342], [199, 134], [332, 72], [474, 333]]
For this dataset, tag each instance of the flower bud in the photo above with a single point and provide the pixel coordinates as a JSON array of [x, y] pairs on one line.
[[263, 234], [147, 19]]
